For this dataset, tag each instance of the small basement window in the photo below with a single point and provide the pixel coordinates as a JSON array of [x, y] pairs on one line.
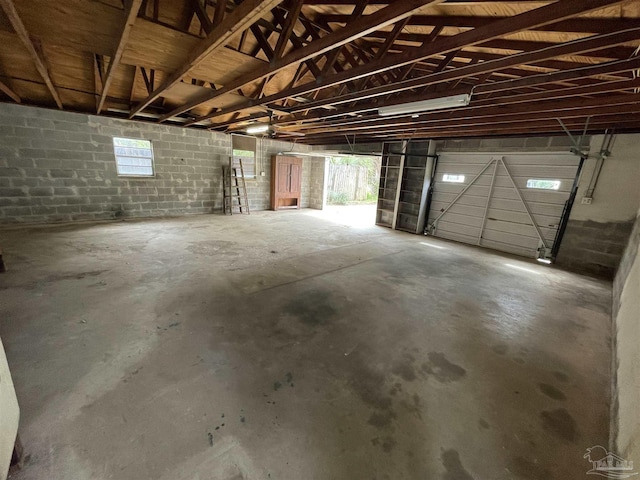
[[244, 148], [134, 157], [543, 184], [447, 177]]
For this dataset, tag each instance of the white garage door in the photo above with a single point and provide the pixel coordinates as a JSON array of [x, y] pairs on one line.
[[508, 202]]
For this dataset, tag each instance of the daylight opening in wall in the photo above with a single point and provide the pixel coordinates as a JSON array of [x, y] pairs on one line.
[[134, 157], [244, 148], [543, 184], [447, 177]]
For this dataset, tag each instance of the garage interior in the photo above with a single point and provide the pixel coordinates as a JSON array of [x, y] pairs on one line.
[[178, 300]]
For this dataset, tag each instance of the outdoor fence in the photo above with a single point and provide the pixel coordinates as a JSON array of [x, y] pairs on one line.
[[352, 183]]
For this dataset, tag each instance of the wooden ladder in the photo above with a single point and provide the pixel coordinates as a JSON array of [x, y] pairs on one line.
[[234, 189]]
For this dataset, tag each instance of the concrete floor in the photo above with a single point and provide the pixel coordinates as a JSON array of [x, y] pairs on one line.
[[291, 346]]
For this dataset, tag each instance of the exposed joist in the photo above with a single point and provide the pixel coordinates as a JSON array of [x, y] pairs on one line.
[[541, 16], [608, 118], [37, 57], [131, 12], [241, 18], [506, 98], [574, 25], [569, 48], [360, 27], [287, 27], [332, 57], [532, 110], [502, 44], [522, 128], [9, 92]]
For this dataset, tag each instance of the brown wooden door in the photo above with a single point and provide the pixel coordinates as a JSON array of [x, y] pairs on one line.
[[286, 182]]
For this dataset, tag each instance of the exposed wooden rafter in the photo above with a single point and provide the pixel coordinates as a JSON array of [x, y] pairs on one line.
[[322, 68], [525, 21], [131, 12], [34, 51], [233, 24], [386, 16]]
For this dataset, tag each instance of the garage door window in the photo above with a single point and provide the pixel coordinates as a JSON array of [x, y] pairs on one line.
[[447, 177], [543, 184], [134, 157]]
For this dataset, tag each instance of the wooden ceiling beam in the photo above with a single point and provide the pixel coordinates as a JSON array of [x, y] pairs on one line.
[[131, 12], [9, 92], [263, 42], [287, 27], [241, 18], [569, 48], [573, 25], [218, 15], [606, 68], [534, 18], [34, 51], [604, 87], [333, 55], [358, 28], [527, 126], [549, 109], [519, 128], [506, 44]]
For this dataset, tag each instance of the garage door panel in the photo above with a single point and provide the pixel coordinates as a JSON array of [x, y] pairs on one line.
[[482, 185], [522, 241], [521, 217], [464, 219], [508, 226], [549, 209], [503, 181], [530, 196], [505, 247], [482, 158], [563, 173], [471, 239], [458, 228], [463, 209], [441, 201], [518, 228]]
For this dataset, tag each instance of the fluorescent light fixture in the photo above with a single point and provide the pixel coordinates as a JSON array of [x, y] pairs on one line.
[[257, 128], [544, 260], [426, 105]]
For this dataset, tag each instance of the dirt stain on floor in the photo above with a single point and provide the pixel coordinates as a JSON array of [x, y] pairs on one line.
[[442, 369], [560, 423], [453, 465]]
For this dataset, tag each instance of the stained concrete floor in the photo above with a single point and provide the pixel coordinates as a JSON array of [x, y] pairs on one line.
[[291, 346]]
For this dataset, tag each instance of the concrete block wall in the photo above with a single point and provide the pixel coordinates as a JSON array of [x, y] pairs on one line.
[[59, 166], [625, 415], [597, 233], [317, 187], [594, 248]]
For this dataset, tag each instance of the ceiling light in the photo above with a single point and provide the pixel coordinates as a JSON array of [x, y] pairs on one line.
[[257, 128], [426, 105]]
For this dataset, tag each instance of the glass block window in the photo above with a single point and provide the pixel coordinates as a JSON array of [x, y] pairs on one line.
[[134, 157]]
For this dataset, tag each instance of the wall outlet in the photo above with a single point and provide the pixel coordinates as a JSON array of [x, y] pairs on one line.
[[262, 174], [586, 200]]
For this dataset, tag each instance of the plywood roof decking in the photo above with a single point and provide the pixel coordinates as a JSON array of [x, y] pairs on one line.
[[326, 93]]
